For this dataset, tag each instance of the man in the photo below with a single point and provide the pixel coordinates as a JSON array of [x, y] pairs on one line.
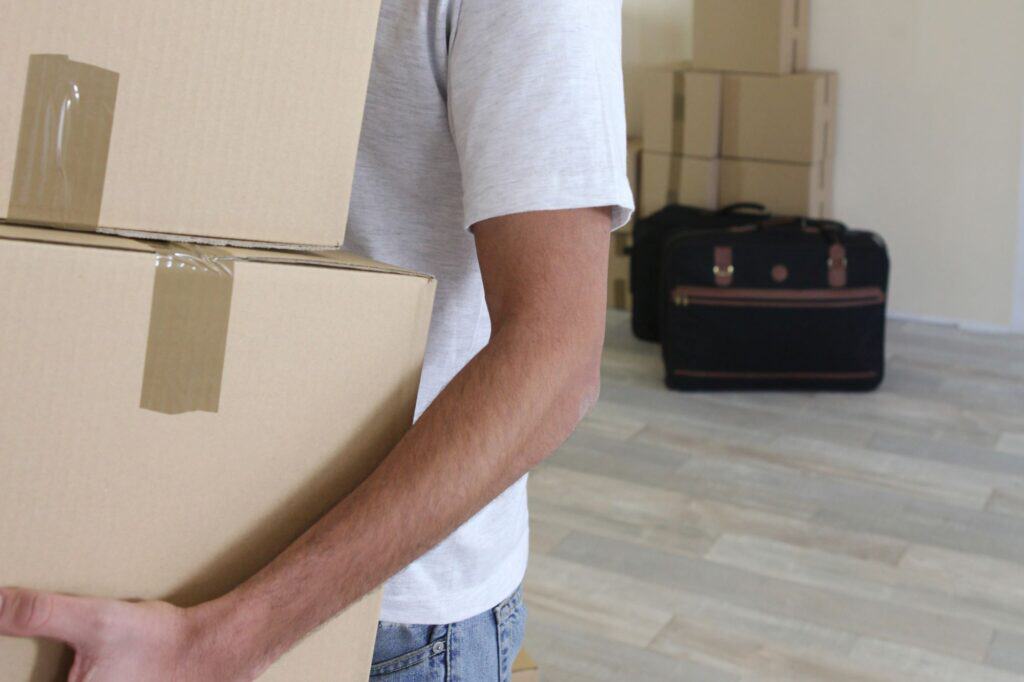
[[493, 157]]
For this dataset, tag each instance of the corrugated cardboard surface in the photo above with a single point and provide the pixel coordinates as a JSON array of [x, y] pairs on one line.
[[786, 188], [660, 175], [234, 119], [703, 114], [699, 183], [98, 496], [758, 36], [682, 111], [663, 109], [779, 118], [671, 178]]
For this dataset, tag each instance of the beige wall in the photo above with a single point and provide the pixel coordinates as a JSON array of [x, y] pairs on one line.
[[1018, 312], [931, 138]]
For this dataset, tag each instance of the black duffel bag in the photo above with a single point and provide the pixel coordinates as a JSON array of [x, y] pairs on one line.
[[781, 304], [649, 237]]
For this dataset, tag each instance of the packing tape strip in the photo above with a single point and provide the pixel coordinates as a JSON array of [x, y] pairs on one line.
[[63, 143], [188, 329], [675, 178]]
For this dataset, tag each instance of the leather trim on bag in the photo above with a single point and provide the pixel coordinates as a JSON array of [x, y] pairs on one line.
[[799, 376], [837, 266], [723, 268]]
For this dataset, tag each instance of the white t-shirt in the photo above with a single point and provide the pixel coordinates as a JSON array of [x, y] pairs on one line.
[[478, 109]]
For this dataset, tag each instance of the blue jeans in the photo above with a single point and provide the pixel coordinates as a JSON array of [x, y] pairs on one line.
[[480, 649]]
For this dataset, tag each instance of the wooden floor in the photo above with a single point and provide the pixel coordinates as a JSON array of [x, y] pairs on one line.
[[789, 537]]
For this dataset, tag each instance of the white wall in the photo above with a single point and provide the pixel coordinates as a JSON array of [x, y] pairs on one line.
[[1018, 312], [930, 138]]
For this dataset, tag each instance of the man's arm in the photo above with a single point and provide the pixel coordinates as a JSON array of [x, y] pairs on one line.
[[545, 281]]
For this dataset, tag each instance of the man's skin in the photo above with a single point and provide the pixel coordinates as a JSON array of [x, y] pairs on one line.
[[544, 276]]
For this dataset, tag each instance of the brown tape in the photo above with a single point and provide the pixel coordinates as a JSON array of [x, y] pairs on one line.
[[675, 178], [66, 122], [188, 329]]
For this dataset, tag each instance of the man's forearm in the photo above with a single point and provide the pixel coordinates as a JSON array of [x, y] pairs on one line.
[[506, 411]]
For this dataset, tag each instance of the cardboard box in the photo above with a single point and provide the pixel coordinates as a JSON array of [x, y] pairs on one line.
[[671, 179], [524, 669], [779, 118], [661, 174], [784, 188], [165, 431], [634, 147], [663, 109], [682, 111], [758, 36], [699, 183], [231, 120], [620, 296]]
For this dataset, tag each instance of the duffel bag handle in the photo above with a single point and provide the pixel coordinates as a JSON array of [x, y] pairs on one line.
[[744, 206], [832, 230]]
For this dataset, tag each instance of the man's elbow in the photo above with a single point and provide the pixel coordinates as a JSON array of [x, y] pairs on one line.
[[580, 392], [586, 385], [567, 378], [589, 390]]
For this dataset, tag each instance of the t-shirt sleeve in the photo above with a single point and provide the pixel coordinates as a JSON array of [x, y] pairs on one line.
[[536, 107]]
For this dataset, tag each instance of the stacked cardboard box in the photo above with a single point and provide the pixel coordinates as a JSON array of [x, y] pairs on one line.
[[778, 142], [682, 138], [173, 414], [744, 122], [751, 36], [209, 122], [619, 296]]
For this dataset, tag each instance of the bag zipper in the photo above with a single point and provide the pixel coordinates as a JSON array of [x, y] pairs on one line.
[[684, 297], [776, 376]]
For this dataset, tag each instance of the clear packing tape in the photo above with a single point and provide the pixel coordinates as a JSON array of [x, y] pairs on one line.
[[59, 172], [188, 329], [66, 123]]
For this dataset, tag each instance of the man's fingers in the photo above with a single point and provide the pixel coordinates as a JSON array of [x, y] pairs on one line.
[[28, 613]]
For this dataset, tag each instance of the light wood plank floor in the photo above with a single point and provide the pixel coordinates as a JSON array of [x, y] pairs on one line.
[[789, 537]]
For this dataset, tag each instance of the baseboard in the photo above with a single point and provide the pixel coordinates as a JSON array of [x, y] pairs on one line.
[[965, 325]]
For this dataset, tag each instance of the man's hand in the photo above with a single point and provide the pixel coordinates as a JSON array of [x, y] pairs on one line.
[[116, 641]]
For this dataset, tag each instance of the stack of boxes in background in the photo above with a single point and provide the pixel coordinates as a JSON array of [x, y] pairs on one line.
[[744, 121], [778, 142]]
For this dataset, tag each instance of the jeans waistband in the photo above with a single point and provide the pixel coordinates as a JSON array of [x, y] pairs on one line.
[[508, 606]]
